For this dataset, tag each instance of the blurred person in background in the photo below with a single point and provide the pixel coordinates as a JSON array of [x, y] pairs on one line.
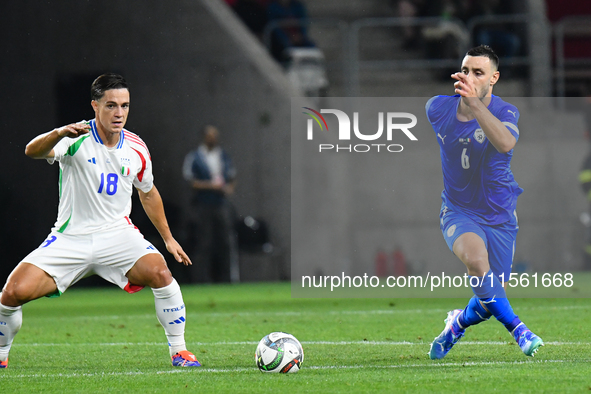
[[212, 176], [292, 35], [497, 35], [409, 9], [446, 39]]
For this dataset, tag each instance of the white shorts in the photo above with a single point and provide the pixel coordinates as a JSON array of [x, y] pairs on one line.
[[108, 254]]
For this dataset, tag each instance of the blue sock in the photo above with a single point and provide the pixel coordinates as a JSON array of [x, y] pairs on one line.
[[492, 294], [473, 314]]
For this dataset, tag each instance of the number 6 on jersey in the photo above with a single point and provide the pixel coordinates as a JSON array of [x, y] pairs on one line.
[[465, 159]]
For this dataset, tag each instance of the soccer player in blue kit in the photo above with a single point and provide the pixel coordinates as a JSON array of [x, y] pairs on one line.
[[476, 132]]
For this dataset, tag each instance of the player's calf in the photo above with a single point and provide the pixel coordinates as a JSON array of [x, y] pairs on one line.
[[170, 310], [11, 319]]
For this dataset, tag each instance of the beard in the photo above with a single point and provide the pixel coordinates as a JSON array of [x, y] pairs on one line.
[[482, 94]]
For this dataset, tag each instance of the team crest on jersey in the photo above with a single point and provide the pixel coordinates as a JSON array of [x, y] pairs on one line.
[[125, 166], [479, 136]]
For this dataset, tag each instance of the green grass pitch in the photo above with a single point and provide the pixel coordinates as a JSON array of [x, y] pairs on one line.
[[104, 340]]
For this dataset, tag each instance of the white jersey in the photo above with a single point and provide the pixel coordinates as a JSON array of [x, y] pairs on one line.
[[96, 182]]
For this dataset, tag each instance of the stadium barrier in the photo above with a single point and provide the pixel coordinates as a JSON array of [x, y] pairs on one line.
[[351, 63], [570, 26]]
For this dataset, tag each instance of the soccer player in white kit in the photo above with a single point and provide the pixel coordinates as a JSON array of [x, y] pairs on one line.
[[100, 163]]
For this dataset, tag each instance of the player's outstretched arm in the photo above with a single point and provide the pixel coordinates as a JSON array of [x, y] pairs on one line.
[[41, 147], [152, 203]]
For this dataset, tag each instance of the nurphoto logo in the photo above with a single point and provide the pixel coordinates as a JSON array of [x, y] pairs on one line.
[[394, 123]]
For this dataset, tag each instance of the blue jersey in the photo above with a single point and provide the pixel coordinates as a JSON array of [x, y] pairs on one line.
[[477, 178]]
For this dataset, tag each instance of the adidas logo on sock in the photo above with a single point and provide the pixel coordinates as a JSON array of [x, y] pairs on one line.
[[178, 321]]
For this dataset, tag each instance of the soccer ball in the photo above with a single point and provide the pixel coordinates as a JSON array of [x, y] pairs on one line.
[[279, 352]]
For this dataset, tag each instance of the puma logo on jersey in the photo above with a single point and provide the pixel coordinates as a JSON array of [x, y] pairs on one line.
[[514, 113], [442, 138], [443, 212]]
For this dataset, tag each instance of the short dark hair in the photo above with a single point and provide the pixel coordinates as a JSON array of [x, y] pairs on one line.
[[486, 51], [106, 82]]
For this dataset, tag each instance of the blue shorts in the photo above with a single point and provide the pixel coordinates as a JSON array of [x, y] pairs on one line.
[[499, 239]]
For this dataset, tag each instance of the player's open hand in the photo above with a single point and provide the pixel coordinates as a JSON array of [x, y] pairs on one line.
[[74, 130], [177, 251], [464, 86]]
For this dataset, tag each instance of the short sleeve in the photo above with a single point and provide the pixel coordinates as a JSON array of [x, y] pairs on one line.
[[428, 107], [60, 150], [144, 179], [438, 106], [509, 117]]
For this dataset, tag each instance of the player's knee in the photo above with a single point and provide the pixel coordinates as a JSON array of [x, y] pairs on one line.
[[15, 294], [477, 263], [161, 277]]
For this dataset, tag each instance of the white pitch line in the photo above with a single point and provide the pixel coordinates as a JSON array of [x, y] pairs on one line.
[[331, 343], [292, 313], [244, 314], [404, 343], [313, 367], [435, 364]]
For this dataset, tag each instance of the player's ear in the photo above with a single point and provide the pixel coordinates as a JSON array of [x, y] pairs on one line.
[[495, 78], [94, 105]]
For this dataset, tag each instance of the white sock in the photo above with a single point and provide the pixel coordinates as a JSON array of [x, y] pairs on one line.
[[170, 310], [11, 320]]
